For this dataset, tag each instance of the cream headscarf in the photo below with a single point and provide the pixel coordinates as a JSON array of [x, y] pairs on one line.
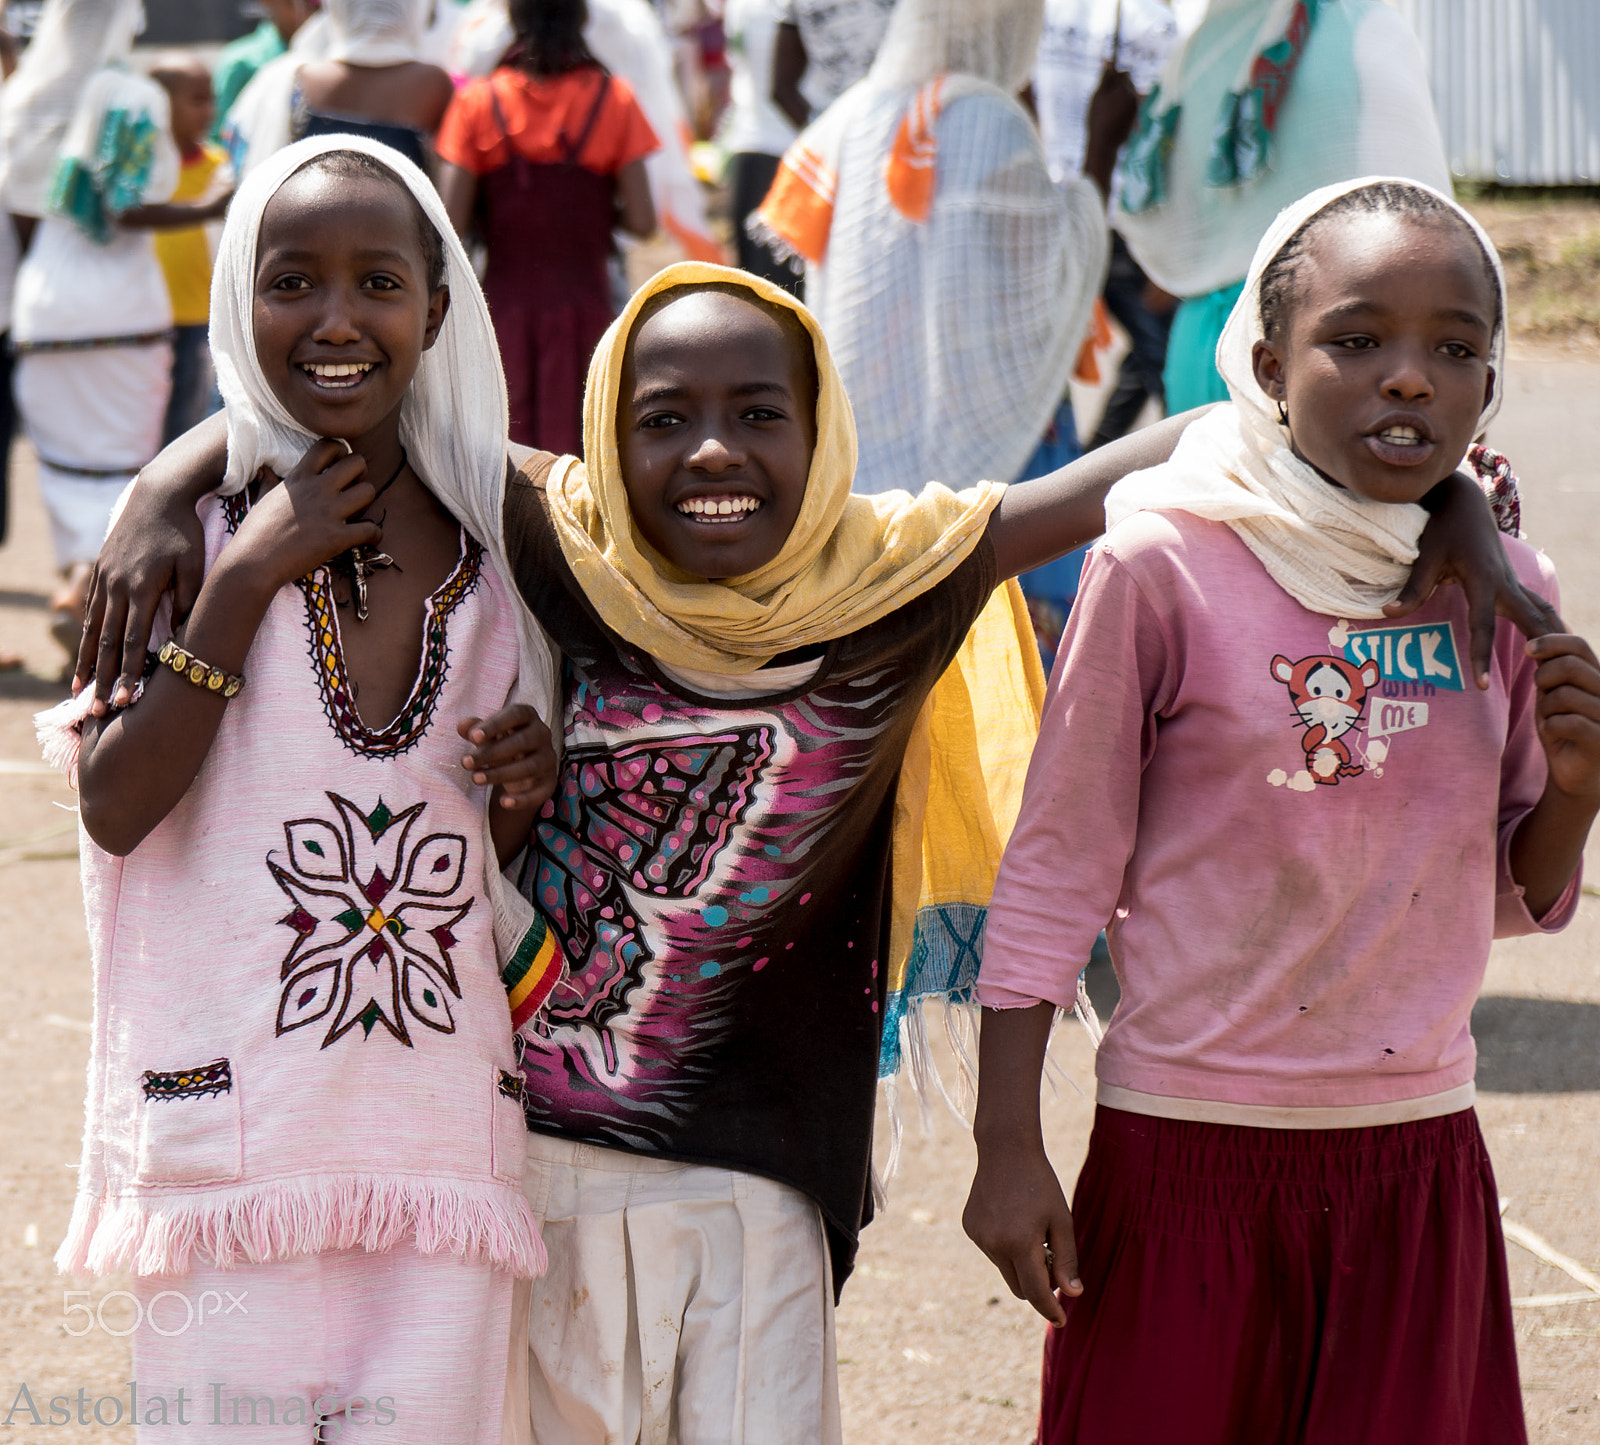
[[453, 422], [1332, 551], [849, 561]]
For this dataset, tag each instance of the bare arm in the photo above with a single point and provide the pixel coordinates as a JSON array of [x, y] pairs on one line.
[[138, 763], [1040, 520], [155, 547], [789, 63], [636, 212], [1016, 1209], [458, 189], [171, 216], [1548, 845]]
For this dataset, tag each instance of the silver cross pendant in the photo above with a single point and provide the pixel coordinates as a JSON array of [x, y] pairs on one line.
[[364, 561]]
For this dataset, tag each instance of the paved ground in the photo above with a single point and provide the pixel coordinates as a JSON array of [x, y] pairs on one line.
[[929, 1339]]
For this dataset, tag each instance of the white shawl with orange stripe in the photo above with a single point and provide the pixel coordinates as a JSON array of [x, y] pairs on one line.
[[953, 279]]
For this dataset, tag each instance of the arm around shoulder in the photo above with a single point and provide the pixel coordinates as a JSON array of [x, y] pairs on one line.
[[155, 546]]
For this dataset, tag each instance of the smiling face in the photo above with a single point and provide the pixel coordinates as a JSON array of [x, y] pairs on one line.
[[344, 308], [1383, 363], [715, 428]]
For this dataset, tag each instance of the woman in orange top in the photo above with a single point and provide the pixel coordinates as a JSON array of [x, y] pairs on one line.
[[544, 157]]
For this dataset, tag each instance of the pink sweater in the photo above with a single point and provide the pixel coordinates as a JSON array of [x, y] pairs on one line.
[[1294, 831]]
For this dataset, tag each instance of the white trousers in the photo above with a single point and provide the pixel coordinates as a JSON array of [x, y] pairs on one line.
[[684, 1305], [95, 409], [397, 1347]]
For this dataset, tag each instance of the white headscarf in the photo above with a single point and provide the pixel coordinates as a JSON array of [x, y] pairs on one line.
[[453, 423], [994, 40], [375, 32], [74, 39], [1331, 550]]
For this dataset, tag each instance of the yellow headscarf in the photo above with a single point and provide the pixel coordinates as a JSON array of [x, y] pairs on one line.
[[849, 561]]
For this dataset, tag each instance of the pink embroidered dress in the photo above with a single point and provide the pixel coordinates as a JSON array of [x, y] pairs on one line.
[[301, 1038]]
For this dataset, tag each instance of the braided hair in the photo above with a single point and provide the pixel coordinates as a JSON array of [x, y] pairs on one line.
[[550, 36], [1280, 282]]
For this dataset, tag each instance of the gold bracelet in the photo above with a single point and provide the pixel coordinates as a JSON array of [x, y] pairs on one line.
[[201, 674]]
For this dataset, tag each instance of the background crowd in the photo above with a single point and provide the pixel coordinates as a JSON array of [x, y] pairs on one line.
[[968, 197]]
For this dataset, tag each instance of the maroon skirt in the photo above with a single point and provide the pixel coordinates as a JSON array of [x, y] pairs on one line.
[[1285, 1287]]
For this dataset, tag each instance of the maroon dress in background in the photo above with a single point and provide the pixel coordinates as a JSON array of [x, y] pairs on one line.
[[547, 229]]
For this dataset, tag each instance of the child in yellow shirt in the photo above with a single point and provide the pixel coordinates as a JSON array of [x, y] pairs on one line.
[[185, 254]]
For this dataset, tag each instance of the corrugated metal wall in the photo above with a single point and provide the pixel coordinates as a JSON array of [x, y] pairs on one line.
[[1517, 86]]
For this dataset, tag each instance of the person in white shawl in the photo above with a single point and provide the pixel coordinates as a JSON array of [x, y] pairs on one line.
[[954, 280], [357, 69], [89, 156]]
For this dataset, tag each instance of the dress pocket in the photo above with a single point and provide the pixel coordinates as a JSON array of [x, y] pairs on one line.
[[190, 1128], [508, 1141]]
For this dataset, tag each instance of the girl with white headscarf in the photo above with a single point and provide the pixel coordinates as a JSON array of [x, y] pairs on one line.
[[306, 1095], [1301, 822], [954, 280], [89, 158]]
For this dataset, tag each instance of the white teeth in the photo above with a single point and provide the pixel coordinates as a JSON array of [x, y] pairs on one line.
[[719, 507], [336, 370], [1400, 435]]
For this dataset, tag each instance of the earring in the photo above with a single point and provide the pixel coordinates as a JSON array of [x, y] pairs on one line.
[[1283, 415]]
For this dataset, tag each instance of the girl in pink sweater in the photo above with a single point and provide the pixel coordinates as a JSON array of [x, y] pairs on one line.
[[1301, 826]]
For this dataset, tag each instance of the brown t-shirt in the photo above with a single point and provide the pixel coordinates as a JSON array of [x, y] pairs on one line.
[[717, 871]]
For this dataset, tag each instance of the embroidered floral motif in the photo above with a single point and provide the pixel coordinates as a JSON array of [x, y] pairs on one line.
[[327, 656], [374, 919], [213, 1078]]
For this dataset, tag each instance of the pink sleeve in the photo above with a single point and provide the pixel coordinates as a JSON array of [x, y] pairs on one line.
[[1522, 779], [1061, 878]]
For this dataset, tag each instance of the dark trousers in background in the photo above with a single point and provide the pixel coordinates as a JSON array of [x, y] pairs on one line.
[[1139, 377], [8, 424], [750, 174], [194, 383]]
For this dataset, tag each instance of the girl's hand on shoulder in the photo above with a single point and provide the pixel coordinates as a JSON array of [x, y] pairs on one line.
[[306, 520], [1568, 680], [1018, 1216], [512, 752], [1461, 543]]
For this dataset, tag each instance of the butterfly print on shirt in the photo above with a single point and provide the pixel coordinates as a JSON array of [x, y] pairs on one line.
[[652, 817]]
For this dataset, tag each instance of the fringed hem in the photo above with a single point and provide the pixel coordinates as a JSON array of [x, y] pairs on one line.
[[762, 234], [57, 730], [165, 1234]]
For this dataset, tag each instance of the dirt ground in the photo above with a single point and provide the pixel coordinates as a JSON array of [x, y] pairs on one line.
[[930, 1342], [1549, 244]]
